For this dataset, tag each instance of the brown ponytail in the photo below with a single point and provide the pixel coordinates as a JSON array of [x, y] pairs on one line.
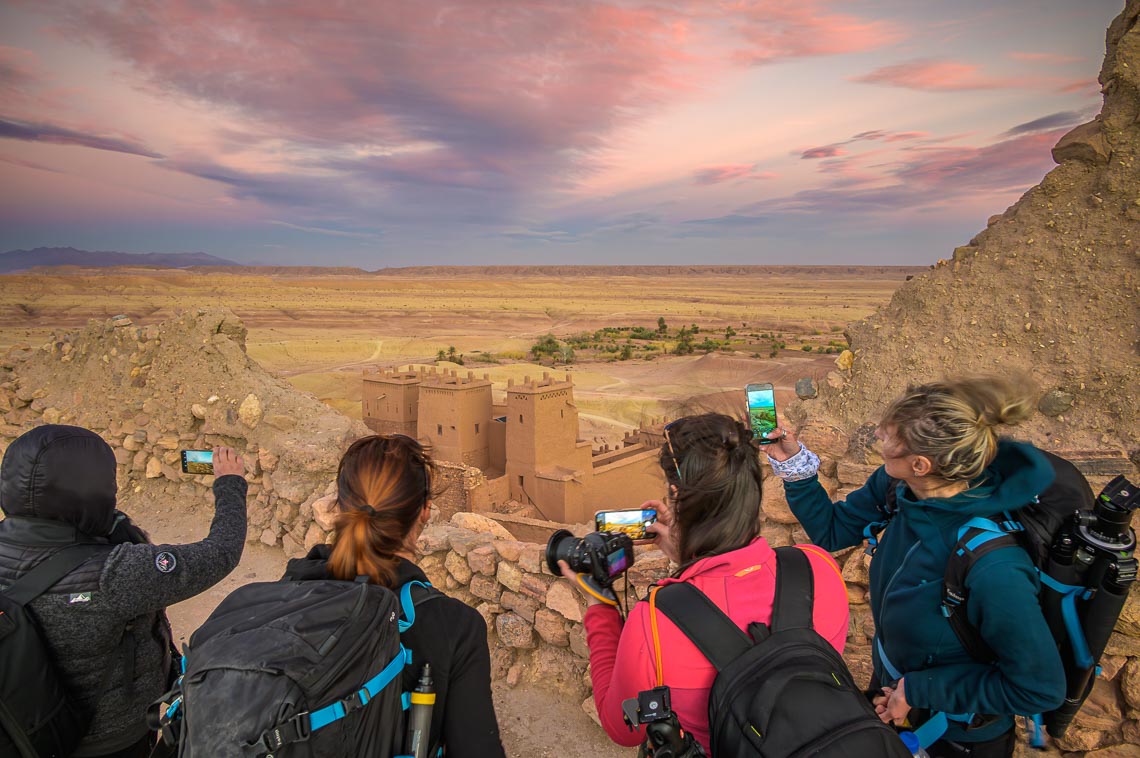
[[383, 485]]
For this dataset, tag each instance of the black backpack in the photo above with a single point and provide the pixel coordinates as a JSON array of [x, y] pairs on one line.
[[305, 669], [37, 718], [785, 691]]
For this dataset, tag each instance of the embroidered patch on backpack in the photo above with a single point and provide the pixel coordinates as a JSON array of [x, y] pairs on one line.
[[79, 597], [165, 562]]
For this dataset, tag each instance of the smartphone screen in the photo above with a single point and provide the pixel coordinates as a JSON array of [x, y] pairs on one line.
[[198, 461], [631, 522], [761, 411]]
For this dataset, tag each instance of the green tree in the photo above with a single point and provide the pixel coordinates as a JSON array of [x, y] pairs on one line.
[[451, 354], [441, 356], [626, 353], [661, 327]]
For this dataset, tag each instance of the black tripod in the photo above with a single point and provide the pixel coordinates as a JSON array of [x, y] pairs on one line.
[[1091, 568]]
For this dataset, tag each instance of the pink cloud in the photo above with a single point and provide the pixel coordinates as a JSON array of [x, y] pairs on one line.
[[929, 75], [730, 172], [824, 151], [927, 178], [1045, 58], [903, 136], [777, 30]]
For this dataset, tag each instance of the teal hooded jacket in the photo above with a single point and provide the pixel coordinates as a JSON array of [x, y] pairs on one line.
[[906, 592]]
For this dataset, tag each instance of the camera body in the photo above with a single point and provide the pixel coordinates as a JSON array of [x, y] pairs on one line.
[[602, 555], [664, 736]]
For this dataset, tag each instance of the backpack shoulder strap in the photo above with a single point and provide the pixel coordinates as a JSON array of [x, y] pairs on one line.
[[707, 626], [41, 578], [978, 538], [409, 601], [891, 505], [795, 590]]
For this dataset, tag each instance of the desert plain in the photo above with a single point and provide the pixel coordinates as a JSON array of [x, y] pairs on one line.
[[319, 327]]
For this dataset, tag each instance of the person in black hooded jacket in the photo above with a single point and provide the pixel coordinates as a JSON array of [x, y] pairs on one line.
[[103, 622]]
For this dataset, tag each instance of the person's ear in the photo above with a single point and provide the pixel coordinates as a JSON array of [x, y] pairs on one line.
[[425, 513], [921, 465]]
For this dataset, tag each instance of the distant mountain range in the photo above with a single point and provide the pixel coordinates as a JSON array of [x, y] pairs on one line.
[[22, 260]]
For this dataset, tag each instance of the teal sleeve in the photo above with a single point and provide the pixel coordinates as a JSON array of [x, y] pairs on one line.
[[835, 526], [1028, 677]]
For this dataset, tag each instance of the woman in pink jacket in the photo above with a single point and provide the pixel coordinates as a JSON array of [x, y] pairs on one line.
[[709, 525]]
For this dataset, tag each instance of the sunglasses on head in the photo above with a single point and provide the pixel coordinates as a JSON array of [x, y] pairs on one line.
[[672, 452]]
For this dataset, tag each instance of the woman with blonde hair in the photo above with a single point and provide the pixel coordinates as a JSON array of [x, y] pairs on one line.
[[943, 464], [384, 490]]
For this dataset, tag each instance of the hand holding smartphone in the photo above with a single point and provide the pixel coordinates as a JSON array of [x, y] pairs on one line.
[[761, 411], [198, 462], [632, 522], [203, 462]]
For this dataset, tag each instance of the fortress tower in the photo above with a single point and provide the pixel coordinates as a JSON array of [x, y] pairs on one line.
[[545, 460], [455, 417], [390, 401]]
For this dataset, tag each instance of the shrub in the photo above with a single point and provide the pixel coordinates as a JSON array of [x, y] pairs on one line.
[[806, 348]]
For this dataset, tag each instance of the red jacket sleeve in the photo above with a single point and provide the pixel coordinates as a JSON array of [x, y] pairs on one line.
[[621, 665]]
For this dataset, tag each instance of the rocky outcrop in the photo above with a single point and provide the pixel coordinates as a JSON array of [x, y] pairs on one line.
[[1049, 289], [183, 383]]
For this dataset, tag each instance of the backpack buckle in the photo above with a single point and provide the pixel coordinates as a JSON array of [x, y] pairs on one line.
[[295, 729]]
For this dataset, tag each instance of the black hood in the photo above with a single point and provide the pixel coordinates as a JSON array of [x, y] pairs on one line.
[[62, 473]]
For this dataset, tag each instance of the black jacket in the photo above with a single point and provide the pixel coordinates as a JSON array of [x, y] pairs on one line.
[[452, 637], [57, 488]]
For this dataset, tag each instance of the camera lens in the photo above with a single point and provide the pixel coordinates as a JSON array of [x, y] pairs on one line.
[[562, 546]]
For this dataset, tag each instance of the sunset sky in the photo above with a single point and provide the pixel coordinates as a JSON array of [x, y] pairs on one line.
[[410, 132]]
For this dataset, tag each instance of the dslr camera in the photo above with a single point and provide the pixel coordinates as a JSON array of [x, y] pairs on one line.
[[664, 737], [601, 555]]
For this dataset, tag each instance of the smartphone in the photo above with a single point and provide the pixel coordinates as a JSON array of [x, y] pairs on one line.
[[761, 411], [197, 461], [631, 522]]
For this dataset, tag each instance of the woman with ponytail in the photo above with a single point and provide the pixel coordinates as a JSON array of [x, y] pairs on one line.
[[384, 491], [708, 525], [943, 464]]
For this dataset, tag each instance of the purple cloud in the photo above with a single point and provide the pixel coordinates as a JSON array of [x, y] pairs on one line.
[[58, 135]]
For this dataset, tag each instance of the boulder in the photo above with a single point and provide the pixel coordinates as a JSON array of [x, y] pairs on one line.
[[483, 560], [565, 599], [250, 411], [1084, 143], [325, 511], [845, 360], [520, 604], [485, 587], [1055, 402], [509, 575], [805, 388], [551, 627], [457, 567], [477, 523], [514, 631], [774, 504]]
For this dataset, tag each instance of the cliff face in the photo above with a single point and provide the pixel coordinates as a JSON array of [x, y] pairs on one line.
[[1049, 288]]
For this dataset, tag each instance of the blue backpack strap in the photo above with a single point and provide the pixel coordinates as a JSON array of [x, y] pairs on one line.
[[889, 508], [301, 726], [977, 537], [408, 604]]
